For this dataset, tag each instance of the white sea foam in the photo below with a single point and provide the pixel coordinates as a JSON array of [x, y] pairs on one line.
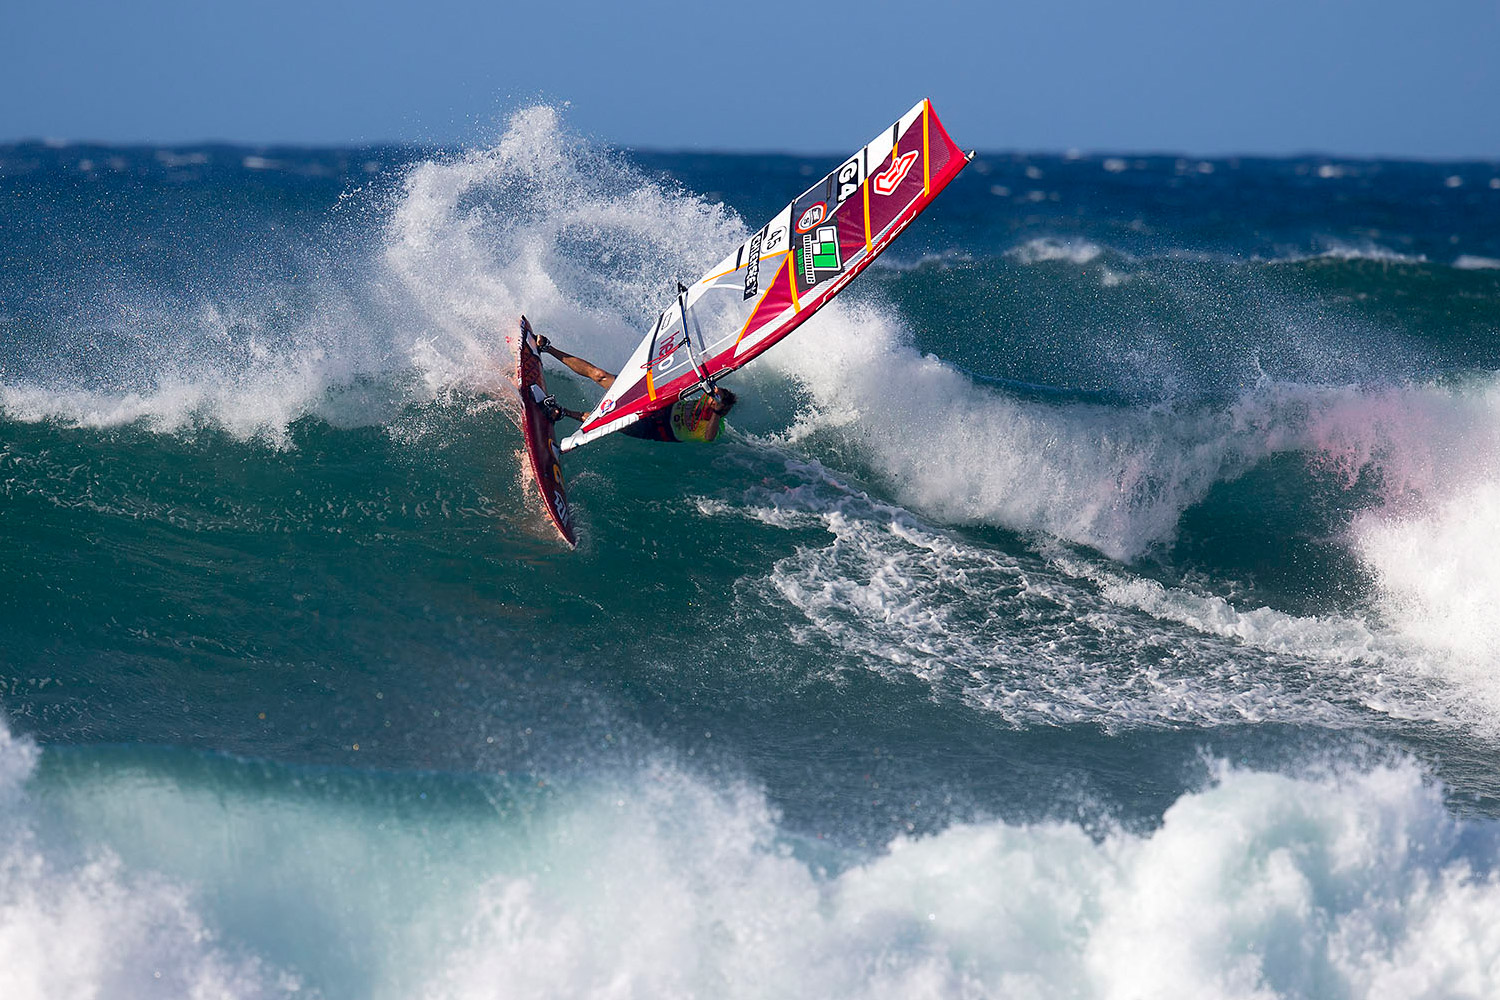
[[1474, 262], [1356, 883], [1083, 476], [1344, 251], [1439, 576], [255, 407], [1051, 248], [538, 223], [85, 925], [1388, 670], [1430, 545], [1255, 887], [1258, 886], [235, 364], [1019, 637]]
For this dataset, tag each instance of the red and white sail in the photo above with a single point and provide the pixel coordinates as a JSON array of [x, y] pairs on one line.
[[785, 272]]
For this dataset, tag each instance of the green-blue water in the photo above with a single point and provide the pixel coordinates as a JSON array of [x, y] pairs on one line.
[[1098, 599]]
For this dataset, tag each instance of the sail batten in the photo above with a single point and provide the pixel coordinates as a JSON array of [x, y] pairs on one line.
[[785, 271]]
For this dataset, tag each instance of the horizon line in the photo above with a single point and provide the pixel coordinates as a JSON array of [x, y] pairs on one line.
[[1068, 153]]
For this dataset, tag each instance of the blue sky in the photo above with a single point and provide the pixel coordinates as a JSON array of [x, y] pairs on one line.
[[1353, 77]]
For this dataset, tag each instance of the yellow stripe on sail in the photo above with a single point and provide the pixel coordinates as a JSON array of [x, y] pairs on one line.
[[866, 187], [791, 275], [746, 326], [926, 157]]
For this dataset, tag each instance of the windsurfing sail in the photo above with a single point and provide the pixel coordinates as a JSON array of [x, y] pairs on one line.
[[783, 273]]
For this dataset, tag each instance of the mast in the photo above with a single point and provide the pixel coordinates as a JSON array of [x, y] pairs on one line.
[[687, 338]]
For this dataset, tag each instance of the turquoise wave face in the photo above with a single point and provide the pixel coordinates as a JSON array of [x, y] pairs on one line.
[[1110, 469]]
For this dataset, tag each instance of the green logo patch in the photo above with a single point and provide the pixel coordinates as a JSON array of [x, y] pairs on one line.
[[820, 252]]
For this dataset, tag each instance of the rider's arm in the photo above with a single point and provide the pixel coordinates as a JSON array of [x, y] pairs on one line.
[[581, 366]]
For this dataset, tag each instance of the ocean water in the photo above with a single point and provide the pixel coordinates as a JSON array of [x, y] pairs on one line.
[[1099, 599]]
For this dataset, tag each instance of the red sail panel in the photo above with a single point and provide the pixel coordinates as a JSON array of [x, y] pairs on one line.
[[775, 302]]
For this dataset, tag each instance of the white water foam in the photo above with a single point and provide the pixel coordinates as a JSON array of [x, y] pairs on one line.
[[1387, 668], [968, 454], [1440, 576], [1260, 886], [1341, 250], [1431, 544], [81, 924], [177, 364], [1356, 884], [539, 223], [1021, 637]]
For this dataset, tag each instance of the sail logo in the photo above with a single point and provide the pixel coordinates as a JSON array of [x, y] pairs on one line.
[[666, 355], [752, 265], [848, 179], [816, 213], [820, 252], [886, 183]]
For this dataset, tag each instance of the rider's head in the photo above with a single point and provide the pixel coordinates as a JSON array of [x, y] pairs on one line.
[[722, 400]]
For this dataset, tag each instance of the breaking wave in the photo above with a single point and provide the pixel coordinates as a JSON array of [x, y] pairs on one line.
[[1353, 882], [81, 923]]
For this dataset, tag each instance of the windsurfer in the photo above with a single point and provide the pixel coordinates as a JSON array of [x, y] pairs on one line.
[[697, 419]]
